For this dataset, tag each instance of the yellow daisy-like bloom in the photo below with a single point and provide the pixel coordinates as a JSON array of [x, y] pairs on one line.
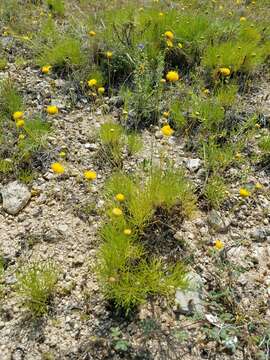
[[172, 76], [243, 19], [101, 90], [117, 212], [206, 91], [21, 137], [109, 54], [120, 197], [92, 82], [20, 123], [169, 43], [224, 71], [57, 168], [244, 192], [90, 175], [52, 110], [92, 33], [127, 231], [17, 115], [167, 130], [169, 35], [161, 14], [219, 245], [46, 69], [180, 45]]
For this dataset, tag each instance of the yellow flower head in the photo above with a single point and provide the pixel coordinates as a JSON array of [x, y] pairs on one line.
[[169, 43], [117, 212], [243, 19], [127, 231], [92, 33], [224, 71], [52, 109], [101, 90], [46, 69], [120, 197], [180, 45], [172, 76], [109, 54], [20, 123], [21, 137], [167, 130], [244, 192], [90, 175], [161, 14], [57, 168], [206, 91], [17, 115], [62, 154], [219, 245], [92, 82], [169, 35]]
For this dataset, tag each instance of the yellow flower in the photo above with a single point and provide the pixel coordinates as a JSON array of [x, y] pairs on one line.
[[127, 231], [167, 130], [52, 109], [206, 91], [120, 197], [57, 168], [172, 76], [21, 136], [169, 43], [180, 45], [20, 123], [166, 114], [161, 14], [17, 115], [117, 212], [109, 54], [90, 175], [92, 33], [224, 71], [244, 192], [92, 82], [169, 35], [219, 245], [243, 19], [101, 90], [46, 69]]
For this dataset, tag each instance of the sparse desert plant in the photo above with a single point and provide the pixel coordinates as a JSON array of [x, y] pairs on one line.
[[56, 6], [10, 99], [264, 144], [36, 286], [215, 191], [112, 140]]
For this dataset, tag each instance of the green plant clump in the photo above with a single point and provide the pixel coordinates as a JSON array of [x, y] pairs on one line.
[[36, 286]]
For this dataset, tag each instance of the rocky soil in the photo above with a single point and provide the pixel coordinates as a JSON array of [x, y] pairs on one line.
[[51, 220]]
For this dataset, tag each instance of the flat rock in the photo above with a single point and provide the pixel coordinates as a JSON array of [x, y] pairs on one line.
[[216, 222], [193, 164], [189, 301], [15, 196]]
